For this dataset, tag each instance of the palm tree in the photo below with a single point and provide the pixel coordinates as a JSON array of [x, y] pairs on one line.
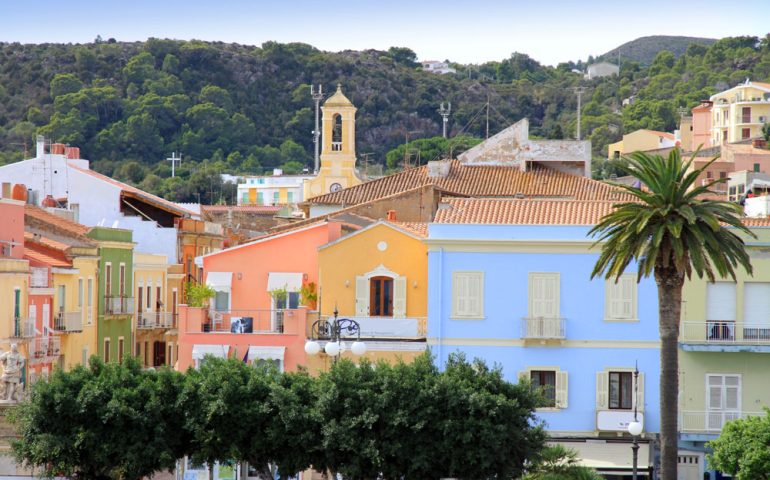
[[670, 232]]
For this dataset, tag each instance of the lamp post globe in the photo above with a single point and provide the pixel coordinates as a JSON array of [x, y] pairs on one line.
[[332, 349], [312, 348], [635, 428], [358, 348]]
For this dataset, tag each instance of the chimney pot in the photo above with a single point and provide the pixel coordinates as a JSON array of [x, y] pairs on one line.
[[40, 146], [57, 149], [391, 215]]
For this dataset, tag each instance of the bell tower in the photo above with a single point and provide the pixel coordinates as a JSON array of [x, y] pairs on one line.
[[338, 147]]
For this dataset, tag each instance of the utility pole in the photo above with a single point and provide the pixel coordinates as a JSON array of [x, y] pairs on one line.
[[487, 115], [407, 155], [579, 91], [444, 112], [174, 159], [317, 97]]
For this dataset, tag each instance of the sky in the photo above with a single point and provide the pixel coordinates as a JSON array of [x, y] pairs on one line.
[[462, 31]]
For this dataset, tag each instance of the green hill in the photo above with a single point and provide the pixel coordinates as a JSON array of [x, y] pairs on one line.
[[644, 49], [244, 109]]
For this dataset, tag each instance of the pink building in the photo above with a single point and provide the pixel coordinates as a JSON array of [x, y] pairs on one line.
[[701, 126], [256, 313]]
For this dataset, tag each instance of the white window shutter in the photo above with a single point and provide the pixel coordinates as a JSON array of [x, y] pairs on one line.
[[638, 398], [602, 387], [399, 297], [362, 297], [536, 296], [562, 387], [552, 295], [459, 294], [609, 299], [628, 295]]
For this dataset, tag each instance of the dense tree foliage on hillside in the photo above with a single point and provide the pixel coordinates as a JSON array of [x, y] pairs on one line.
[[644, 49], [240, 109]]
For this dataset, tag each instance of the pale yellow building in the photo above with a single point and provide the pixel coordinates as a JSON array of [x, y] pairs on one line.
[[377, 276], [154, 314], [641, 141], [739, 113], [338, 148]]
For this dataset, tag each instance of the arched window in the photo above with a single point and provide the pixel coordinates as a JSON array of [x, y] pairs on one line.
[[337, 133], [381, 297]]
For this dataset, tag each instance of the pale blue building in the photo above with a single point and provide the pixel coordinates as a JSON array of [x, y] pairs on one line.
[[510, 283]]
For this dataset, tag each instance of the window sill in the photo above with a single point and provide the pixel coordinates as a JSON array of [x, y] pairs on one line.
[[622, 320], [548, 409], [467, 318]]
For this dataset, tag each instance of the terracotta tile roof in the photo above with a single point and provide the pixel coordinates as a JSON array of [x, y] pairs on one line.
[[417, 228], [478, 181], [43, 257], [670, 136], [762, 84], [55, 221], [522, 211], [30, 238], [170, 206], [756, 222], [266, 209]]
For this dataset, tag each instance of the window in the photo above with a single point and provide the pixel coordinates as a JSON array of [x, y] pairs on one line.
[[615, 390], [289, 197], [158, 298], [756, 167], [122, 279], [121, 346], [138, 350], [745, 133], [468, 295], [720, 310], [545, 381], [222, 301], [245, 198], [722, 175], [290, 302], [107, 349], [543, 295], [84, 356], [108, 279], [89, 299], [158, 353], [80, 293], [620, 298], [174, 300], [621, 390], [260, 198], [381, 297], [62, 294], [724, 136], [552, 382], [724, 399], [337, 132], [709, 175], [139, 299], [149, 297], [146, 353], [276, 198]]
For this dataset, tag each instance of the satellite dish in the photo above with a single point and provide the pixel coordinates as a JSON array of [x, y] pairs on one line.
[[115, 224]]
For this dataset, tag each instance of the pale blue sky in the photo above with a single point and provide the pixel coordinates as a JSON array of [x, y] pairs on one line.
[[464, 31]]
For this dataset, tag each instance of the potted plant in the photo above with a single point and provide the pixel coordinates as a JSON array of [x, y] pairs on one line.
[[309, 295], [198, 296], [279, 301]]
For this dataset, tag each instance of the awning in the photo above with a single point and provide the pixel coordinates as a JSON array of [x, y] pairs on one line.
[[758, 182], [219, 281], [200, 351], [607, 455], [292, 282], [266, 353]]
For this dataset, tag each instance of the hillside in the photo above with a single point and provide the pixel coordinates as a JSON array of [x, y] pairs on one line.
[[644, 49], [245, 110]]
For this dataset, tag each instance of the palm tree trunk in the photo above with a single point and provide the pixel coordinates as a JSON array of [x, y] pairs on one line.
[[669, 310]]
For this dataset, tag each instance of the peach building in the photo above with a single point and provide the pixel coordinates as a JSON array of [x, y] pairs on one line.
[[701, 126], [257, 312]]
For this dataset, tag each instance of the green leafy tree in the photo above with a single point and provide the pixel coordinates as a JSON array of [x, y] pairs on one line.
[[64, 83], [670, 233], [743, 448], [103, 421]]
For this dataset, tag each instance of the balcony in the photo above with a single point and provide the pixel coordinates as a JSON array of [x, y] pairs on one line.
[[249, 321], [45, 349], [388, 327], [709, 422], [543, 328], [67, 322], [23, 328], [750, 119], [724, 333], [155, 320], [336, 146], [118, 305]]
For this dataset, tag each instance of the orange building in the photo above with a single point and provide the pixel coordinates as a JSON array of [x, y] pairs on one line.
[[257, 312]]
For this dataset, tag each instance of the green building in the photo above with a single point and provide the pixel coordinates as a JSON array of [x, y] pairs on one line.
[[114, 292]]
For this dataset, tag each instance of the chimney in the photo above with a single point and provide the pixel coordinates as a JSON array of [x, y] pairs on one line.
[[57, 149], [391, 215], [438, 169], [40, 146], [72, 153]]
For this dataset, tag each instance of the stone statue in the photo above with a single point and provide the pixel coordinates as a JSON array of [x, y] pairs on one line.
[[13, 363]]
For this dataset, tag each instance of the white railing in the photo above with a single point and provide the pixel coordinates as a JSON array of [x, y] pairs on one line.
[[118, 305], [69, 322], [149, 320], [45, 349], [725, 332], [709, 421], [247, 321], [23, 327], [544, 328], [336, 146]]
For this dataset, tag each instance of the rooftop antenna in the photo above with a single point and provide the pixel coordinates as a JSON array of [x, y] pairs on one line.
[[579, 91], [174, 159], [444, 112], [317, 97]]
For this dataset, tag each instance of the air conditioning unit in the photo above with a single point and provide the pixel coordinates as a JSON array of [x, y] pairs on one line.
[[762, 119]]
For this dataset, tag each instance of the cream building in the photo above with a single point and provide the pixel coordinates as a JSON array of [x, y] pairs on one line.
[[338, 148], [739, 113]]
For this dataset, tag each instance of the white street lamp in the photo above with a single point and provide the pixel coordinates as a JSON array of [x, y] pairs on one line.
[[335, 330], [332, 349], [358, 348], [635, 427], [312, 347]]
